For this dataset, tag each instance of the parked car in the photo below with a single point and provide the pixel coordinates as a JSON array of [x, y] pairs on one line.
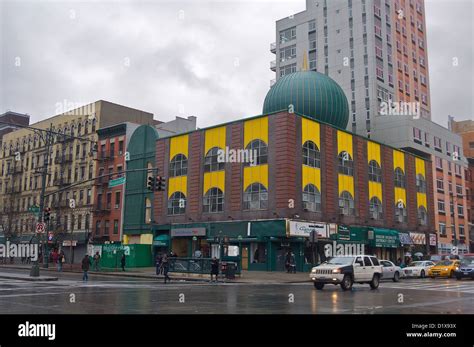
[[391, 271], [444, 268], [466, 269], [418, 268], [347, 270]]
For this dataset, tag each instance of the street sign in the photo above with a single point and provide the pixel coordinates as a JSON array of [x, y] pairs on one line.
[[116, 182], [40, 228], [34, 209]]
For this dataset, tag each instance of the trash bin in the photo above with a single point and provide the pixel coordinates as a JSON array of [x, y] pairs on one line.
[[230, 270]]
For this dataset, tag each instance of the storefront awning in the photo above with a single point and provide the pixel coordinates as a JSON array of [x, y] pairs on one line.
[[161, 240], [405, 239], [384, 238]]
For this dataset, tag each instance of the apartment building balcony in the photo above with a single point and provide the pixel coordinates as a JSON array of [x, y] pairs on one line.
[[62, 181], [273, 65], [64, 139], [101, 209], [273, 47], [103, 156], [63, 159], [101, 181]]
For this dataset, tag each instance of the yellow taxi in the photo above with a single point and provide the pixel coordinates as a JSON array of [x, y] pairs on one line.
[[444, 268]]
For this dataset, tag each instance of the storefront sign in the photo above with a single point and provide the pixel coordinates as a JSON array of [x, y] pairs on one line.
[[344, 233], [383, 238], [67, 243], [405, 239], [432, 239], [418, 238], [304, 229], [188, 232]]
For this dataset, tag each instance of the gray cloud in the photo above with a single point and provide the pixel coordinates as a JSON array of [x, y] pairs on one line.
[[210, 58]]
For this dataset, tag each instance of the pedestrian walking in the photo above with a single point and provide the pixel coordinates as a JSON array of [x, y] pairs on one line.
[[165, 264], [96, 261], [291, 261], [158, 264], [214, 269], [85, 267], [122, 262], [60, 261]]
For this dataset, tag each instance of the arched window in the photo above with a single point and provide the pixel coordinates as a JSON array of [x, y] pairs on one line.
[[346, 204], [178, 166], [346, 164], [375, 208], [422, 215], [311, 154], [211, 162], [257, 153], [420, 184], [399, 178], [311, 198], [375, 171], [401, 213], [147, 211], [94, 122], [213, 201], [79, 128], [255, 197], [72, 130], [177, 203]]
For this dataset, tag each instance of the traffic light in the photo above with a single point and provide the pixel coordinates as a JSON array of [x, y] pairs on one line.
[[151, 183], [161, 184], [47, 214]]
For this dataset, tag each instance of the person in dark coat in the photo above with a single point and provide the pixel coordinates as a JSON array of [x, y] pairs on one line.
[[165, 264], [158, 264], [122, 262], [86, 263], [214, 268]]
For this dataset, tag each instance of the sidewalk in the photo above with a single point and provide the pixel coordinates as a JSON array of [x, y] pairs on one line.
[[250, 277], [13, 276]]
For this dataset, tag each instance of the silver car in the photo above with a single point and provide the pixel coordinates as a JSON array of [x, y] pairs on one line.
[[391, 271]]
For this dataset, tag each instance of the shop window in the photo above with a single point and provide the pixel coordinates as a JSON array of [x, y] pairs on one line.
[[346, 204], [346, 164], [255, 197], [258, 253], [311, 198], [259, 152], [177, 203], [311, 154], [211, 162], [375, 171], [178, 166], [375, 208], [399, 178], [213, 201]]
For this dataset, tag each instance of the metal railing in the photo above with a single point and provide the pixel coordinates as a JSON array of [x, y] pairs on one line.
[[190, 265]]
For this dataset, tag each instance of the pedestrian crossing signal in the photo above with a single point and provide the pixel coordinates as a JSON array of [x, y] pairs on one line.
[[161, 184], [47, 214], [151, 183]]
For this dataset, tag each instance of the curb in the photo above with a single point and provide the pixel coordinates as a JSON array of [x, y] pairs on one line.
[[32, 279]]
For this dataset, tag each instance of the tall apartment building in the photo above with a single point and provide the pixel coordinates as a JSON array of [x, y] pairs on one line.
[[9, 121], [374, 49], [466, 130], [71, 161]]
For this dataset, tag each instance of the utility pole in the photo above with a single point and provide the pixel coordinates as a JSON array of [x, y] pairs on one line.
[[44, 174]]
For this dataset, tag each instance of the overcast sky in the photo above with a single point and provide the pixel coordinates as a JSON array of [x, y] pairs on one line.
[[209, 59]]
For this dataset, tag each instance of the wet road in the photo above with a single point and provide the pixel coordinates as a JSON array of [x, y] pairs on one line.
[[105, 294]]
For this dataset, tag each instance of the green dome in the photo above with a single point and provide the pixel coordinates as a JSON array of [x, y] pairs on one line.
[[312, 94]]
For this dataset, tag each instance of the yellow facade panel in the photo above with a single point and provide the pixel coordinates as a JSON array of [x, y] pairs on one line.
[[421, 199], [398, 160], [311, 175], [310, 131], [346, 183], [253, 174], [214, 179], [215, 138], [256, 129], [400, 194], [373, 152], [375, 189], [179, 145], [344, 143], [178, 184], [420, 167]]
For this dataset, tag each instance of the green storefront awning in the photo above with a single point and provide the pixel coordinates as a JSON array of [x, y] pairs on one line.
[[161, 240], [384, 238]]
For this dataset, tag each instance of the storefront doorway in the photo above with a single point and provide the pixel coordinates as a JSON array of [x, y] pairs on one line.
[[245, 257]]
